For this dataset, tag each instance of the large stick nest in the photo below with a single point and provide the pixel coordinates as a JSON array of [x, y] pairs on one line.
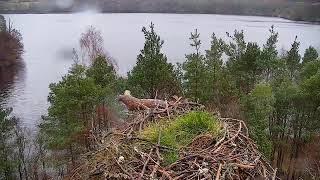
[[123, 155]]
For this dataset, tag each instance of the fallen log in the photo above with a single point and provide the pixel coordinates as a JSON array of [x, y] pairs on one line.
[[133, 103]]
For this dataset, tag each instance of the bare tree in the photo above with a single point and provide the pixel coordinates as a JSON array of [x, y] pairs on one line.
[[23, 151], [92, 46], [11, 46], [3, 24]]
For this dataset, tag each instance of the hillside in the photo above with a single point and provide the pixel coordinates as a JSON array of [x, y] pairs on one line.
[[294, 10]]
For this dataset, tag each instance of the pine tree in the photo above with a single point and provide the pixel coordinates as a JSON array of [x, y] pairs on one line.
[[195, 71], [235, 50], [268, 60], [72, 107], [152, 75], [249, 67], [103, 73], [309, 69], [258, 107], [214, 66], [310, 54], [293, 59], [243, 63]]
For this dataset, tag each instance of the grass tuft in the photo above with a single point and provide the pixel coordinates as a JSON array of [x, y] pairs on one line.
[[180, 132]]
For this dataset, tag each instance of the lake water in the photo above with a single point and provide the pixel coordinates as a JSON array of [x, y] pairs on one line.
[[49, 39]]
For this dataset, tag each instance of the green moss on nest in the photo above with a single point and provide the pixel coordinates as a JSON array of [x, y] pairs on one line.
[[181, 131]]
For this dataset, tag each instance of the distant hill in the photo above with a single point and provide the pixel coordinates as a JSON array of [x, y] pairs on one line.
[[308, 10]]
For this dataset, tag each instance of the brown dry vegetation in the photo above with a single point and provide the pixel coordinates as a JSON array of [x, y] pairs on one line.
[[11, 47]]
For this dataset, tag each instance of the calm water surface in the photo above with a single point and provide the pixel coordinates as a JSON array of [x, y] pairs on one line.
[[49, 39]]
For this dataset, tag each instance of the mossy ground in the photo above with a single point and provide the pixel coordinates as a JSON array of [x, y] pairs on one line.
[[180, 132]]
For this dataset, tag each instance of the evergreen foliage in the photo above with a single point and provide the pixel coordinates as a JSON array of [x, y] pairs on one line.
[[195, 71], [268, 60], [103, 73], [310, 68], [72, 103], [248, 68], [293, 59], [258, 107], [214, 66], [235, 50], [152, 75], [310, 54]]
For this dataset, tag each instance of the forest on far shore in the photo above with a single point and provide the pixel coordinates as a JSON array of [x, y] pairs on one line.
[[289, 9]]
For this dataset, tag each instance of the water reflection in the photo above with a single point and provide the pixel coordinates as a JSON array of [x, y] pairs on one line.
[[9, 76]]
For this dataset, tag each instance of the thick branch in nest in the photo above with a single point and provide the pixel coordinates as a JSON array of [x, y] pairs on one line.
[[133, 103]]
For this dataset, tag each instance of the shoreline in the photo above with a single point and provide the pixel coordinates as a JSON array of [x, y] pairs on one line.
[[129, 12]]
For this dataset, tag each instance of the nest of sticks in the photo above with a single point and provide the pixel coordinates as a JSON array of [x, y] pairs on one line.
[[123, 155]]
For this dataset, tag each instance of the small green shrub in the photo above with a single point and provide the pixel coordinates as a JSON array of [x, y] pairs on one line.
[[181, 131]]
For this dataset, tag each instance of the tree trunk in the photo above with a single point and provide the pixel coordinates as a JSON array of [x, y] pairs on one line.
[[72, 155], [20, 171]]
